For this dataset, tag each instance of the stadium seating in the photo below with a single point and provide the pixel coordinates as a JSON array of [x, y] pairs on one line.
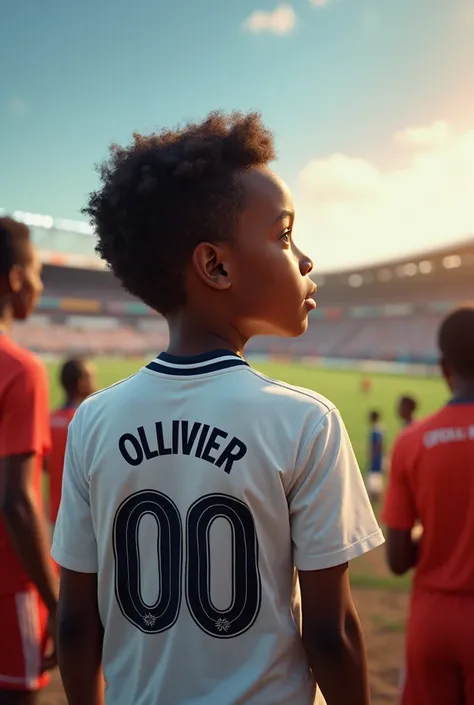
[[389, 311]]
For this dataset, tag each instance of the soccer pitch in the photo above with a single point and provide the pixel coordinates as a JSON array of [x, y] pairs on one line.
[[342, 387]]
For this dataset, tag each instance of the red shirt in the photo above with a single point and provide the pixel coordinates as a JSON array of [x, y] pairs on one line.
[[432, 480], [24, 428], [60, 420]]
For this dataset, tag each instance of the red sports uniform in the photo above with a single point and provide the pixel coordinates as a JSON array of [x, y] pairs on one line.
[[24, 428], [60, 420], [432, 480]]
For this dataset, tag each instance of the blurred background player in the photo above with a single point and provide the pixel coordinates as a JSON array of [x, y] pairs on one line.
[[432, 481], [406, 409], [28, 583], [78, 380], [376, 454]]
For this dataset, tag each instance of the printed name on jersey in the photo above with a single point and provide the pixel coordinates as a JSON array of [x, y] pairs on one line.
[[448, 435], [182, 437]]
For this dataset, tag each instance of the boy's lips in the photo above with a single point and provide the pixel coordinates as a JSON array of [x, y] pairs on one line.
[[309, 300]]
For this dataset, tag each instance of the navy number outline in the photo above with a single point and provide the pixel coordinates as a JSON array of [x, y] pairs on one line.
[[245, 604]]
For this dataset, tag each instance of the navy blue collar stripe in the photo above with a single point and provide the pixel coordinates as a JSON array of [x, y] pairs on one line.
[[195, 359], [206, 363]]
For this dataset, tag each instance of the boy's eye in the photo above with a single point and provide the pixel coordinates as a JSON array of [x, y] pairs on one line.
[[286, 236]]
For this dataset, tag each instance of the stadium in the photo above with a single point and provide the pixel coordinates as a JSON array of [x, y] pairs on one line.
[[377, 322], [388, 311]]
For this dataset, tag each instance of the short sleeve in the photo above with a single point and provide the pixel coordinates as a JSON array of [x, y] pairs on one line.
[[25, 414], [331, 517], [74, 541], [399, 510]]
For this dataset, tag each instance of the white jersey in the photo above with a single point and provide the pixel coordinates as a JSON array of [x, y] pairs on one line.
[[194, 489]]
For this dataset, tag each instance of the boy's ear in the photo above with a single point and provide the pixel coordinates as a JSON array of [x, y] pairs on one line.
[[210, 262]]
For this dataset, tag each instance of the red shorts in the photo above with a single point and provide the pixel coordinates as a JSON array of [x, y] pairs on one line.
[[23, 641], [439, 667]]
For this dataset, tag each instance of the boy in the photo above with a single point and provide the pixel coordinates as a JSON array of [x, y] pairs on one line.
[[431, 481], [193, 488], [28, 584], [376, 450], [77, 378], [406, 410]]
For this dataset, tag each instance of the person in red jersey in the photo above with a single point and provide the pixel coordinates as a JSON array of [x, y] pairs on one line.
[[29, 583], [432, 482], [77, 378]]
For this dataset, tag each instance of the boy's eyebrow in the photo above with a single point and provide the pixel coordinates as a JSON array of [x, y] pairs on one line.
[[284, 214]]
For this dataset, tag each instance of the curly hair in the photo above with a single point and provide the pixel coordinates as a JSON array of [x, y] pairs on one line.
[[169, 191]]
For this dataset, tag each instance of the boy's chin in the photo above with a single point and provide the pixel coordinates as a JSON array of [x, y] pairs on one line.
[[293, 331]]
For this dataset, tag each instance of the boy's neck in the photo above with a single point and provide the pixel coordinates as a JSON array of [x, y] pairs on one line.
[[188, 339]]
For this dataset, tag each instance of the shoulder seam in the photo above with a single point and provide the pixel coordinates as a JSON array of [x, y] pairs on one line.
[[305, 393], [110, 386]]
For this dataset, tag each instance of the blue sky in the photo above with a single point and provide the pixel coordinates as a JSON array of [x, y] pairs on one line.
[[344, 84]]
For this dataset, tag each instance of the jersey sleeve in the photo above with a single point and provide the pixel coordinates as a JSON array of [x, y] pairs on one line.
[[25, 414], [331, 517], [399, 511], [74, 541]]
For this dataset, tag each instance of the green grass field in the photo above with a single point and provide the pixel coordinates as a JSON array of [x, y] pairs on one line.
[[340, 386]]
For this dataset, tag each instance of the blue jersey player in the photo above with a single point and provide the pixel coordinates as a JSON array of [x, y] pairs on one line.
[[376, 449]]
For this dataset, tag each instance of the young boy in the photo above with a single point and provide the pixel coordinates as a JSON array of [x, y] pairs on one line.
[[376, 454], [406, 409], [431, 482], [28, 583], [77, 378], [193, 489]]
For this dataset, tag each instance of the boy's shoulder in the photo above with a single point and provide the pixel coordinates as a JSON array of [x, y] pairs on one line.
[[247, 386], [112, 395], [284, 396]]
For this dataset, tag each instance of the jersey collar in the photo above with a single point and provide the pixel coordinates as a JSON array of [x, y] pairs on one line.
[[205, 363]]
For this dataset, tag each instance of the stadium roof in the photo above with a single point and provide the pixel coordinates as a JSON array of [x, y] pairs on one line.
[[455, 247]]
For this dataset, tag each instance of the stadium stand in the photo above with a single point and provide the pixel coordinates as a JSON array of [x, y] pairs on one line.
[[386, 311]]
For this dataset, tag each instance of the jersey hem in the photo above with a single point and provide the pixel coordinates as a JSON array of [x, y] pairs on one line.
[[343, 555], [72, 563]]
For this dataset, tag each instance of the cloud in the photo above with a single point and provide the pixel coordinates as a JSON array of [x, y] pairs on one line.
[[430, 137], [281, 21], [17, 107], [349, 210]]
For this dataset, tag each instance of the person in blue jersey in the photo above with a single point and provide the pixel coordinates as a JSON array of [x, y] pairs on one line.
[[198, 492], [376, 456], [406, 409]]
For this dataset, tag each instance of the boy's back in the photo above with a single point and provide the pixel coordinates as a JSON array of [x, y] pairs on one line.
[[198, 485]]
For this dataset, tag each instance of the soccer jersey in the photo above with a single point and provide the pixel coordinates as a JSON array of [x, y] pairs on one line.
[[431, 481], [194, 488], [60, 420], [24, 428]]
